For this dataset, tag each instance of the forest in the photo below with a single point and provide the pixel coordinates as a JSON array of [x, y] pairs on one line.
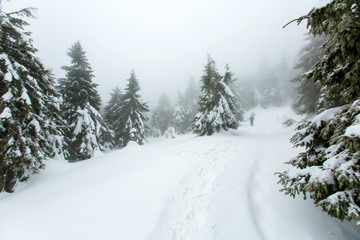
[[43, 116]]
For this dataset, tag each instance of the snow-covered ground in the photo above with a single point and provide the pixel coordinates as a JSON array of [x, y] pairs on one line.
[[196, 188]]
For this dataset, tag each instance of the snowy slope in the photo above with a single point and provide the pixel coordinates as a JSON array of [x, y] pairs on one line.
[[218, 187]]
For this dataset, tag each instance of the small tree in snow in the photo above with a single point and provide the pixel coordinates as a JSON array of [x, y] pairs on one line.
[[29, 111], [216, 107], [133, 111]]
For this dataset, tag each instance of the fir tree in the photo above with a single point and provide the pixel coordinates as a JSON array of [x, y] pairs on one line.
[[133, 111], [29, 111], [308, 90], [216, 104], [186, 109], [77, 88], [90, 133], [163, 114], [113, 115], [328, 171], [81, 102], [271, 92]]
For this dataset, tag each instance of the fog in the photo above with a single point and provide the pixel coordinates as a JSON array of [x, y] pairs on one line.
[[165, 41]]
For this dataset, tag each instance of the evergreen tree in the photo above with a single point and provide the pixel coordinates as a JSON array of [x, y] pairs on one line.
[[186, 109], [308, 90], [163, 114], [229, 80], [77, 88], [328, 171], [133, 111], [271, 92], [81, 102], [216, 104], [90, 133], [113, 115], [29, 112]]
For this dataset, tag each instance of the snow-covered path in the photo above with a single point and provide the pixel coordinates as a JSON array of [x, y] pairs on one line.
[[218, 187]]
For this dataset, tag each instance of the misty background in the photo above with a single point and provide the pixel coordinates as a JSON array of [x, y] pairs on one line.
[[166, 41]]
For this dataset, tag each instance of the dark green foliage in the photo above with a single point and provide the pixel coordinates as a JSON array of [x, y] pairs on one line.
[[308, 90], [339, 70], [86, 132], [113, 115], [328, 170], [29, 119], [216, 105], [77, 88], [330, 167], [133, 113]]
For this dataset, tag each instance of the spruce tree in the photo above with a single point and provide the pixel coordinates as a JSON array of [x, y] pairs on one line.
[[216, 105], [328, 170], [186, 108], [163, 114], [271, 92], [29, 111], [87, 131], [308, 90], [113, 114], [133, 111]]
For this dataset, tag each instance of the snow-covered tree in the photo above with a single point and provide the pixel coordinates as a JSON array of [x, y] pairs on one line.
[[186, 109], [328, 170], [308, 90], [133, 111], [162, 116], [271, 94], [29, 110], [77, 88], [90, 133], [113, 114], [81, 101], [216, 107]]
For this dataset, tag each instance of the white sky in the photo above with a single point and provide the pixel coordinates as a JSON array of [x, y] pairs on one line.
[[165, 41]]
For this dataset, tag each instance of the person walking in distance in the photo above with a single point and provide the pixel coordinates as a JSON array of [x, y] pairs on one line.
[[252, 117]]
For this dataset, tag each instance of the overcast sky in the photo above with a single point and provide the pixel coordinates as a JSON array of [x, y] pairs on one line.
[[165, 41]]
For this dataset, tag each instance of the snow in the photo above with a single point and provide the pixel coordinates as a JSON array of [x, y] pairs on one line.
[[214, 187], [354, 129], [326, 115], [323, 3], [6, 113]]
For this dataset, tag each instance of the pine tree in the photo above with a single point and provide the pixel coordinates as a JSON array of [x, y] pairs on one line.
[[133, 111], [81, 103], [216, 107], [113, 115], [163, 114], [308, 90], [328, 171], [29, 112]]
